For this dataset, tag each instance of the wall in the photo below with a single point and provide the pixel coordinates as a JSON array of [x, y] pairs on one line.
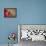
[[28, 12], [33, 12], [7, 25]]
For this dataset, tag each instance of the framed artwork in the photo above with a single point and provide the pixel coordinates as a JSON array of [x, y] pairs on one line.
[[10, 12]]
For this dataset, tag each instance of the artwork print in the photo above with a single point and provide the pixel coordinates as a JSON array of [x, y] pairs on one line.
[[10, 12]]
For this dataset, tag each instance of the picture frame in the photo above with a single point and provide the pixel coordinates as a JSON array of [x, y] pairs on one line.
[[10, 12]]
